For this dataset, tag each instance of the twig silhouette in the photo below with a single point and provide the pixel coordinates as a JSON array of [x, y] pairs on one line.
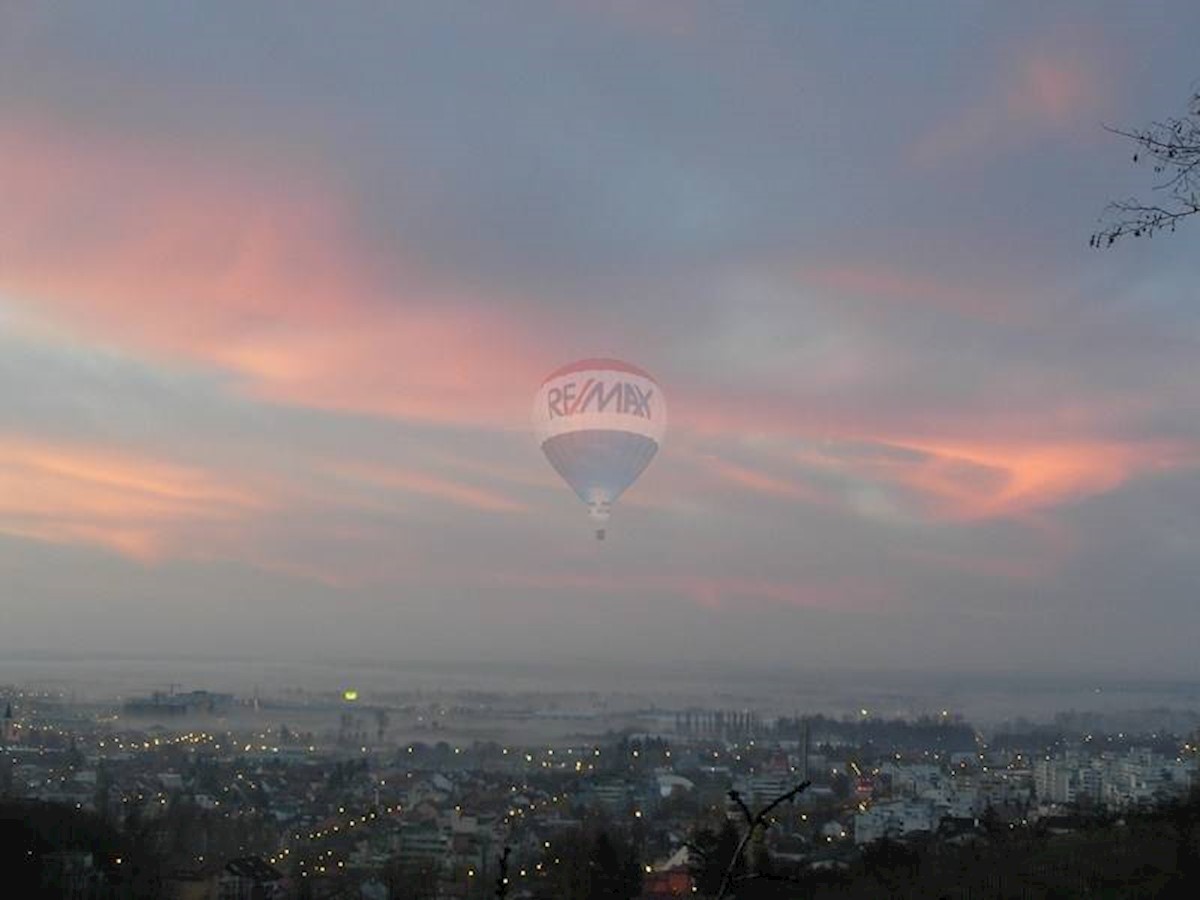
[[1172, 148], [753, 821], [502, 879]]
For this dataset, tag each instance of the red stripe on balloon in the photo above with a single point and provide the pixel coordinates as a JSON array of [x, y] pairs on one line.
[[598, 364]]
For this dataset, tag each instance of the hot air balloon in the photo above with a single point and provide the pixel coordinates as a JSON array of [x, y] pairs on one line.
[[600, 422]]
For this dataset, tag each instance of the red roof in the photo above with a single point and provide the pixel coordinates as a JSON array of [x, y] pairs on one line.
[[675, 883], [598, 363]]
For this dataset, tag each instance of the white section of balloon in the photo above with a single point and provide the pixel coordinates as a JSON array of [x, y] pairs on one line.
[[599, 422]]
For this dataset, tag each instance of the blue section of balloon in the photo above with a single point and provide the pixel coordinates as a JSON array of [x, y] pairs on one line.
[[599, 464]]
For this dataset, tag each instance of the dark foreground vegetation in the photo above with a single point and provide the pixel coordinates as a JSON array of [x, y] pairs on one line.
[[51, 850], [1147, 853]]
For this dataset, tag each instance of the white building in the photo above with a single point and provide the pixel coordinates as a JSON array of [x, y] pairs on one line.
[[894, 819]]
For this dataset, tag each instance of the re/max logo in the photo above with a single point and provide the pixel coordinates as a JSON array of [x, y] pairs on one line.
[[621, 396]]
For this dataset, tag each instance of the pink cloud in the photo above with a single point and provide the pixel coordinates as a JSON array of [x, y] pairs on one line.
[[152, 510], [1043, 89], [1052, 90], [429, 485], [970, 480], [206, 256], [139, 507], [954, 467]]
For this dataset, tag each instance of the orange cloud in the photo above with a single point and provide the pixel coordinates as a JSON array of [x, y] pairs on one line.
[[979, 481], [130, 504], [963, 480], [150, 510], [957, 467], [203, 255]]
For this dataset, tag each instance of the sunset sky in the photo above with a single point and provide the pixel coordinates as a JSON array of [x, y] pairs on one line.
[[278, 282]]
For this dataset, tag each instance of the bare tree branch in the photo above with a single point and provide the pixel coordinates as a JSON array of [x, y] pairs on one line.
[[1173, 149], [502, 878], [737, 798], [753, 821], [782, 798]]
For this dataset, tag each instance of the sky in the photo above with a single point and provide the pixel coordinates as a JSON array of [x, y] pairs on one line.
[[278, 282]]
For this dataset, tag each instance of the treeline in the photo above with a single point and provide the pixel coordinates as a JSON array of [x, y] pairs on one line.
[[46, 845], [1147, 854], [1143, 854], [38, 841], [882, 736]]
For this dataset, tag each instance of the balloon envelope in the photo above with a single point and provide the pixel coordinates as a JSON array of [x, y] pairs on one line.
[[600, 422]]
